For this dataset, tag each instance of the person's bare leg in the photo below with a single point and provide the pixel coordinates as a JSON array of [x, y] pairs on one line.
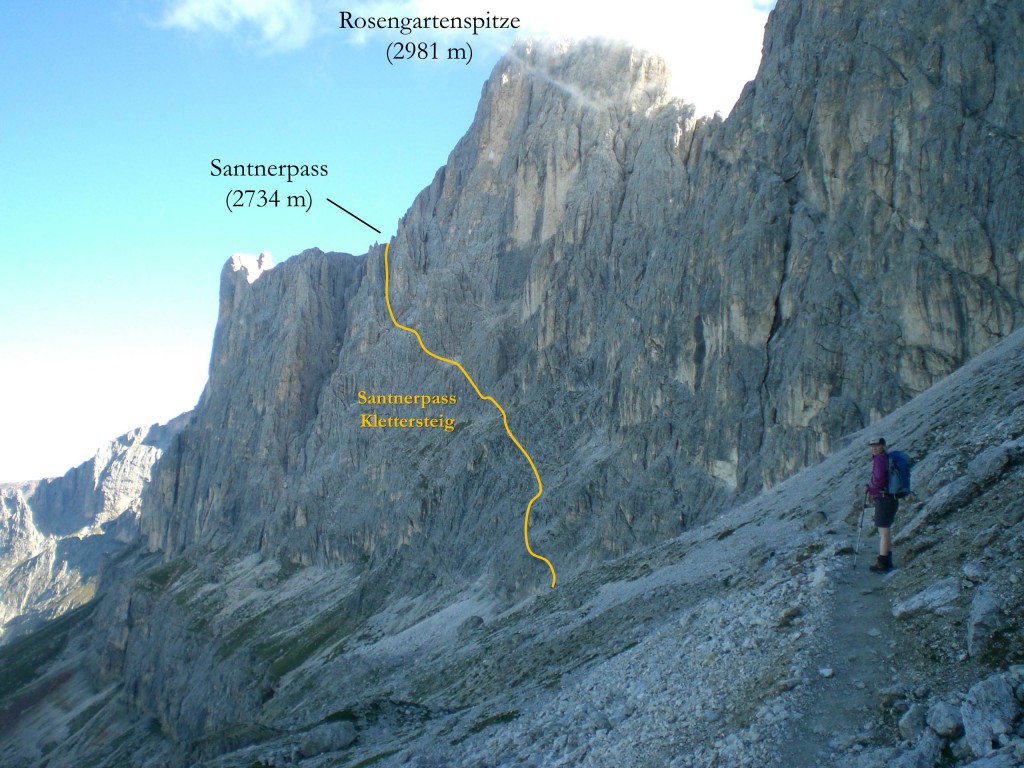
[[884, 564]]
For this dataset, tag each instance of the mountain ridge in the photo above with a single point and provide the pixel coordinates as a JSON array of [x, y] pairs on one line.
[[732, 642], [55, 532], [678, 313]]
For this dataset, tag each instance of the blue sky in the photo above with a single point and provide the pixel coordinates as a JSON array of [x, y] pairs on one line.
[[112, 231]]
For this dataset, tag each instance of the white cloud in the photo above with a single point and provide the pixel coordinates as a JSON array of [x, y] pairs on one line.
[[712, 46], [280, 24]]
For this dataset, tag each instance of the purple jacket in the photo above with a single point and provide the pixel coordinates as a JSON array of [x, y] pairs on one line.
[[879, 476]]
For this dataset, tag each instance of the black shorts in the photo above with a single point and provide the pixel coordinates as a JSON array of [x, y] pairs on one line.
[[885, 511]]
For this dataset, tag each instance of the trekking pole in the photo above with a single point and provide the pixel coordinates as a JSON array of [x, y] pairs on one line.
[[860, 528]]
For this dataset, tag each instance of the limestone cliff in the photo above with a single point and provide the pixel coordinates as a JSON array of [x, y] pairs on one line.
[[54, 533], [676, 313]]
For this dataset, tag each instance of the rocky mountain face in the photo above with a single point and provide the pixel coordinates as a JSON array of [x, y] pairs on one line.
[[676, 314], [588, 252], [757, 639], [54, 533]]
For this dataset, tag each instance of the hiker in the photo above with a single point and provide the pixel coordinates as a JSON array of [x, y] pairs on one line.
[[885, 504]]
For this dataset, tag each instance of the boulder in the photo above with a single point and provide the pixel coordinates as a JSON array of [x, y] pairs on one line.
[[945, 720], [983, 620], [912, 723], [988, 465], [329, 737], [988, 712], [924, 754], [471, 626], [936, 598], [951, 496]]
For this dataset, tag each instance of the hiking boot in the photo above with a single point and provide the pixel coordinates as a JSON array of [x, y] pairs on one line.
[[882, 565]]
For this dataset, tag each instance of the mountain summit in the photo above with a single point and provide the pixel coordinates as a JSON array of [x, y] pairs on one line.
[[677, 315]]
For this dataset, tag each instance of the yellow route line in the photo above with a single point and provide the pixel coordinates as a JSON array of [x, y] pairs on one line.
[[504, 416]]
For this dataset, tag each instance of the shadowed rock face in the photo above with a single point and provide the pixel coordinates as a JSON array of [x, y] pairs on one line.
[[676, 313], [54, 533]]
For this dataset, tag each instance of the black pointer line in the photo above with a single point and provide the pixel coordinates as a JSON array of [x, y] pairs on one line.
[[346, 210]]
